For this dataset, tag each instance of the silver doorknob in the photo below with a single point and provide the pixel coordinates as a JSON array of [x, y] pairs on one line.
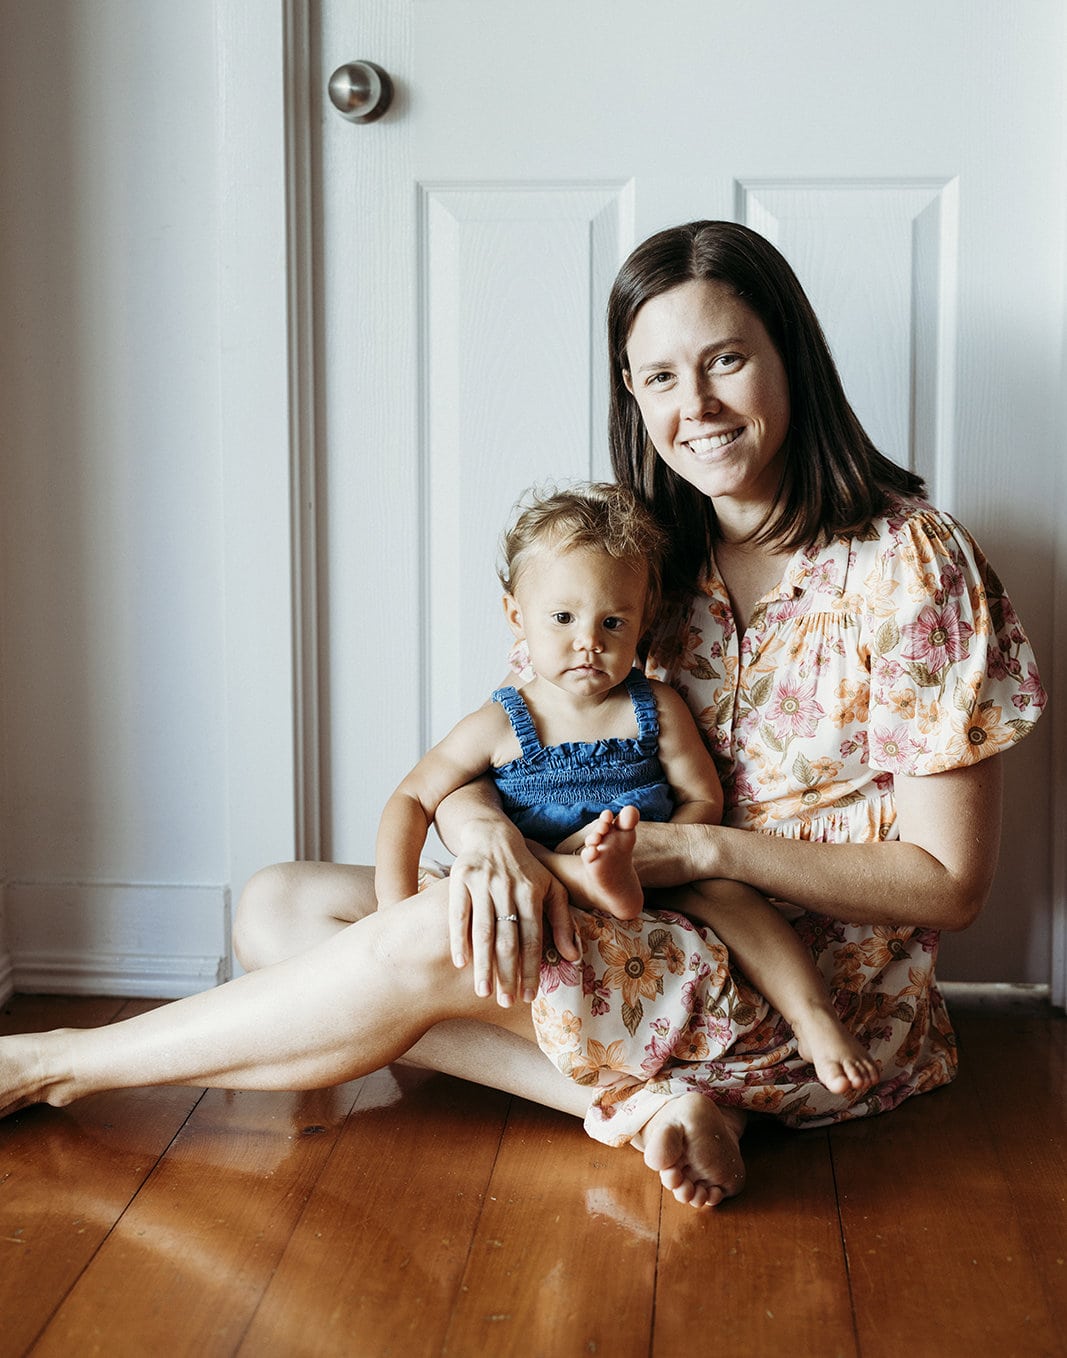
[[360, 91]]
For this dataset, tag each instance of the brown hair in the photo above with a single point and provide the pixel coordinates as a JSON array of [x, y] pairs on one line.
[[599, 514], [835, 482]]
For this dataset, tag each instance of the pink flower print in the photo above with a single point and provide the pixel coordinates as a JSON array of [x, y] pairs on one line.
[[938, 637], [593, 986], [1030, 691], [953, 583], [793, 710], [885, 671], [893, 748], [557, 971]]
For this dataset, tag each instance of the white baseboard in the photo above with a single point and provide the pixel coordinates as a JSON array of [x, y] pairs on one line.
[[92, 938], [999, 993]]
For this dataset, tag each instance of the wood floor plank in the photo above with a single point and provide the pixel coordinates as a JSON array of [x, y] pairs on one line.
[[38, 1013], [67, 1175], [1019, 1066], [204, 1236], [937, 1256], [374, 1265], [563, 1261], [764, 1273]]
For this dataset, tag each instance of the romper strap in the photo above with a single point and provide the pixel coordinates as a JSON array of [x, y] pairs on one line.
[[511, 700], [645, 709]]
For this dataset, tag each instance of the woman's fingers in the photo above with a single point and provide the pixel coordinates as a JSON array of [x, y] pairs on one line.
[[496, 909], [459, 919], [561, 924]]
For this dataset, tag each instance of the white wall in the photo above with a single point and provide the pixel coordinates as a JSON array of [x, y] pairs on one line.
[[114, 857]]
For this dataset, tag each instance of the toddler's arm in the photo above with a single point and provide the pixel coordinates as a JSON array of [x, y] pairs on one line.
[[463, 755], [686, 761]]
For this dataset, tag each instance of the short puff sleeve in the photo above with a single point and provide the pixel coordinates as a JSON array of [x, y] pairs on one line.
[[953, 677]]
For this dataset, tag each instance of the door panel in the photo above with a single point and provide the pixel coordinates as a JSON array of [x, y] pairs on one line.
[[468, 240]]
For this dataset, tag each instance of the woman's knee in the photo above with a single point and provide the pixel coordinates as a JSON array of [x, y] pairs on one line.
[[258, 917], [290, 907]]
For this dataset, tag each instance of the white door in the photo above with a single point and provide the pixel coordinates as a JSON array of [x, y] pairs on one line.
[[906, 158]]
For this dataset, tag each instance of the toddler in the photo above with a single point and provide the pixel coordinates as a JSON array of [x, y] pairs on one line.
[[589, 746]]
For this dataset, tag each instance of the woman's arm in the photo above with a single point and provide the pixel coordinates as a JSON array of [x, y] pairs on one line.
[[495, 875], [938, 874]]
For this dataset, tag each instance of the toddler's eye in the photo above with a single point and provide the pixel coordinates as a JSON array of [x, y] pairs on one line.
[[563, 618], [613, 624]]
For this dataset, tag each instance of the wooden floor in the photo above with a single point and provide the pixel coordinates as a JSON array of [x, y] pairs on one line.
[[413, 1214]]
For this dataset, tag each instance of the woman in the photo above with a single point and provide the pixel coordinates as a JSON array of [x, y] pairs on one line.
[[852, 661]]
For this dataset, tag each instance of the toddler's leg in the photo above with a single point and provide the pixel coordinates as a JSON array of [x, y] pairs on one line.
[[600, 874], [773, 958]]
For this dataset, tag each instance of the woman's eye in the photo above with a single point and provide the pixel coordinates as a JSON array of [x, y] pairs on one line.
[[658, 379], [726, 362]]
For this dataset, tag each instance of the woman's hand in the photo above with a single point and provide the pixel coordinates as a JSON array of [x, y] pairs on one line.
[[495, 877], [498, 897]]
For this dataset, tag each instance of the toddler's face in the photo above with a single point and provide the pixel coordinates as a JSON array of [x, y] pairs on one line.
[[581, 613]]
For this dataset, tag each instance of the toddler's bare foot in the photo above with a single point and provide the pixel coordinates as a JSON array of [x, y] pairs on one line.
[[613, 885], [694, 1145], [840, 1062]]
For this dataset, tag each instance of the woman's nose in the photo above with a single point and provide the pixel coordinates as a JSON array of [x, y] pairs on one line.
[[699, 399]]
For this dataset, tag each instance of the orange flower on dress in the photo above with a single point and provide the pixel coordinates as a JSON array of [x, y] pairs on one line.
[[877, 597], [929, 717], [556, 1032], [632, 969], [904, 702], [586, 1067], [886, 945], [975, 735], [852, 702]]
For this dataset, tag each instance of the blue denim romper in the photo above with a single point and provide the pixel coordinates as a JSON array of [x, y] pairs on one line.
[[549, 792]]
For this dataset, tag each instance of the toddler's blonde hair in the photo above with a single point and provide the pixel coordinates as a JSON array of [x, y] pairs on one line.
[[596, 514]]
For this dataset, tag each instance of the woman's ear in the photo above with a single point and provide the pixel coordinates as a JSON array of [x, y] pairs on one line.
[[628, 380], [513, 613]]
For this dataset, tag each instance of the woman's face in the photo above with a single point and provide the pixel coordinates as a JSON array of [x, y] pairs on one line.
[[712, 392]]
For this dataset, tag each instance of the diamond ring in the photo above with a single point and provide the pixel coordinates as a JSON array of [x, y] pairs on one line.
[[507, 919]]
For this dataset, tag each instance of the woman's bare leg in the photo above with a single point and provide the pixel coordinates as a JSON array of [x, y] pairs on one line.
[[340, 1009], [288, 908]]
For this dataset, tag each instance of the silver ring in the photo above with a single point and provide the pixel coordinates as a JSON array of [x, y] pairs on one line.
[[507, 919]]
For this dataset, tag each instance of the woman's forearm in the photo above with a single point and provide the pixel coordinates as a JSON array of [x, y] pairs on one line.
[[890, 883], [937, 873]]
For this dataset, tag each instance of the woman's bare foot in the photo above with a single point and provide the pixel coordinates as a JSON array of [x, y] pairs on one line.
[[613, 884], [21, 1081], [694, 1146], [840, 1062]]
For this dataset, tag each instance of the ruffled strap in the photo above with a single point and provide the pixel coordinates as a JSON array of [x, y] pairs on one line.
[[511, 700], [645, 711]]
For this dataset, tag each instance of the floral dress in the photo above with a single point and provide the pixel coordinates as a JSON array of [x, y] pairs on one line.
[[893, 652]]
